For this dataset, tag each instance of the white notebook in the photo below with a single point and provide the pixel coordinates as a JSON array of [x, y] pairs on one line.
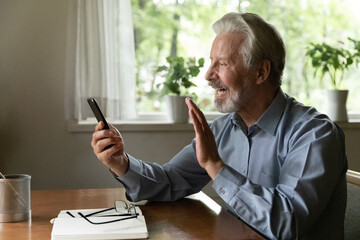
[[75, 227]]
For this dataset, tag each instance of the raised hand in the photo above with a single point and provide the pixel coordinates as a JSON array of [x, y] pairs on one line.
[[206, 149]]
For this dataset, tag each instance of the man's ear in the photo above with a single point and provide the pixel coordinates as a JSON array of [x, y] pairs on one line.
[[263, 71]]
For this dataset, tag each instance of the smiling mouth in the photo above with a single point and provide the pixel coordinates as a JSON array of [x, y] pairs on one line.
[[219, 87], [220, 92]]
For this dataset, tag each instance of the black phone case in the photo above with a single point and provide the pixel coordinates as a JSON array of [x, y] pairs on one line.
[[97, 112]]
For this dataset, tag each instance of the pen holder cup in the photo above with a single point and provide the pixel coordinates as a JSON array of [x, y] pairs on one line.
[[15, 198]]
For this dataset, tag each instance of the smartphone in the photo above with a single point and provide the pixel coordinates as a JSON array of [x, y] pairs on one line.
[[97, 112]]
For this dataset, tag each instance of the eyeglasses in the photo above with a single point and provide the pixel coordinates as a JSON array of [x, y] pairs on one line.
[[122, 210]]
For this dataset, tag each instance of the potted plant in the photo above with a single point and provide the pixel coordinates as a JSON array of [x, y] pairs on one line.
[[333, 61], [177, 84]]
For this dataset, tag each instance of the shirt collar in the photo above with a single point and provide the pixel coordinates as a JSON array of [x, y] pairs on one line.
[[237, 120], [270, 119]]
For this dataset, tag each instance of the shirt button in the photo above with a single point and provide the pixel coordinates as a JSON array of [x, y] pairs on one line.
[[222, 191]]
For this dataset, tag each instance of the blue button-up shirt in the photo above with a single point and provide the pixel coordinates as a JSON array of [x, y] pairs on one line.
[[285, 176]]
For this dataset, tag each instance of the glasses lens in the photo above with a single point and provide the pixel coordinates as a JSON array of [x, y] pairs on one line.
[[132, 210], [121, 206]]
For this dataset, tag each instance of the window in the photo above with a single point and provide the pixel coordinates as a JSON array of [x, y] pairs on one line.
[[183, 27], [100, 59]]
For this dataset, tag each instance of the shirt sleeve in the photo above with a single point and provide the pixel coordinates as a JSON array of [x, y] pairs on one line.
[[180, 177], [313, 170]]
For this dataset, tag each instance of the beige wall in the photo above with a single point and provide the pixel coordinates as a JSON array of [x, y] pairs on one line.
[[32, 127], [34, 137], [352, 141]]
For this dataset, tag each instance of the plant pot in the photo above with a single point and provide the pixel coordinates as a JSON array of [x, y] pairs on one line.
[[177, 109], [336, 105]]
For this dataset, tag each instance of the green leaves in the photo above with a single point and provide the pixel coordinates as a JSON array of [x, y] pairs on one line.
[[178, 74], [333, 60], [356, 54]]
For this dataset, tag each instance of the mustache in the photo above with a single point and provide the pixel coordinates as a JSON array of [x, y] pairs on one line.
[[217, 83]]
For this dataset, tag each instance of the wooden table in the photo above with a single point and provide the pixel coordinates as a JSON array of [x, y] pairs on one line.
[[196, 217]]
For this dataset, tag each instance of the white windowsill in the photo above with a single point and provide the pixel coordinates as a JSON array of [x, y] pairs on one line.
[[154, 122], [158, 123], [133, 126]]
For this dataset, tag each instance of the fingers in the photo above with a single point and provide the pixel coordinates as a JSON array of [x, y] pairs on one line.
[[197, 116], [101, 139], [115, 129], [106, 143], [106, 156], [99, 126], [199, 130]]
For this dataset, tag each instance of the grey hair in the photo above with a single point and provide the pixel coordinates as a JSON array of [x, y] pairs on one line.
[[262, 41]]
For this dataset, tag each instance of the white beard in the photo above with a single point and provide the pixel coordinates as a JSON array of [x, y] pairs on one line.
[[228, 105], [235, 101]]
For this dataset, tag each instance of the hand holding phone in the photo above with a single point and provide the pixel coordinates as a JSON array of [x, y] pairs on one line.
[[118, 162]]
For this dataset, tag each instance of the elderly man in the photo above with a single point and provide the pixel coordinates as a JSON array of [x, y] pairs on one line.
[[278, 165]]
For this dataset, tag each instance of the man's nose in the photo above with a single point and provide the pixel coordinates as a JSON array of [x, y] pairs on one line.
[[210, 73]]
